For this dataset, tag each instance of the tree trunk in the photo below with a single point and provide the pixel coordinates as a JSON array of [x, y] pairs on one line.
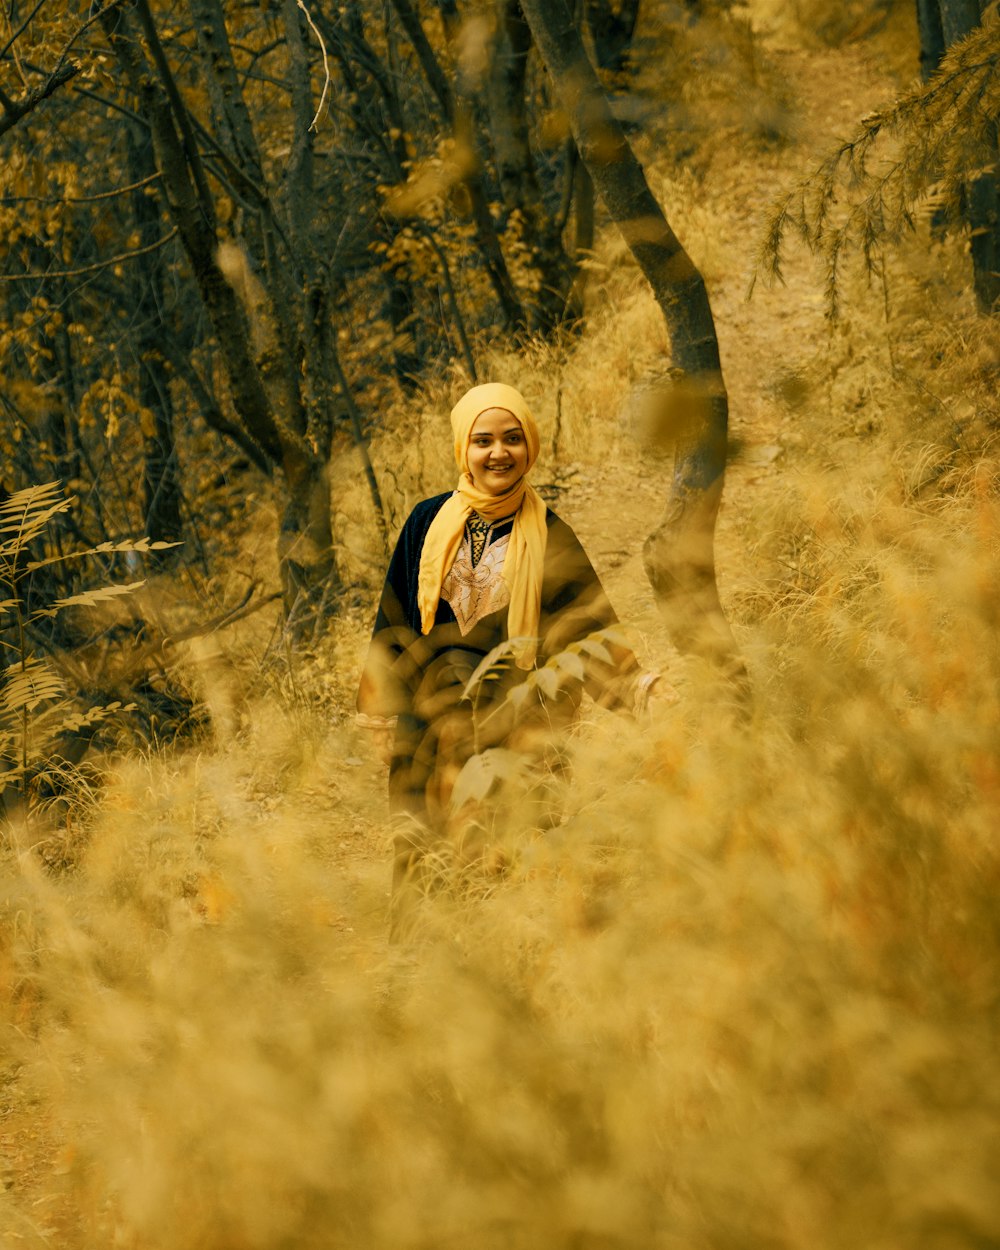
[[310, 581], [519, 184], [679, 554], [612, 26], [507, 86], [458, 109], [161, 485], [957, 18], [583, 234], [931, 37]]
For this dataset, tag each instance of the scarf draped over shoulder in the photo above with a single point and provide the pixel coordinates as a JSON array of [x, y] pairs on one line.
[[525, 560]]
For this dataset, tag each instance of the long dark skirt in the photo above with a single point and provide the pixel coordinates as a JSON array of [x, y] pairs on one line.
[[434, 742]]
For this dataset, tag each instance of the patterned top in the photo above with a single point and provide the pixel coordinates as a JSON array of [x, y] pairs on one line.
[[477, 529], [474, 585]]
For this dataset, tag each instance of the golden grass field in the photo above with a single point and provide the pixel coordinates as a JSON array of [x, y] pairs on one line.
[[745, 996]]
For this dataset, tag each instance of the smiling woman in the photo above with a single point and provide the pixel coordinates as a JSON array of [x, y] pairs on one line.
[[476, 568]]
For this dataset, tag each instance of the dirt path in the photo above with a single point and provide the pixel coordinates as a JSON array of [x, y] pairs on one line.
[[767, 343]]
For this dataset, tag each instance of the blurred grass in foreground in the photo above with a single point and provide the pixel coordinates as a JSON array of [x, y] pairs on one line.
[[746, 994]]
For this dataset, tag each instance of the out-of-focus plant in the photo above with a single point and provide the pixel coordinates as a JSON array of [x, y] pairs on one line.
[[35, 705]]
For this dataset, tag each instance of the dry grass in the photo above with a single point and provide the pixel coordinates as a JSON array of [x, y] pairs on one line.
[[745, 994]]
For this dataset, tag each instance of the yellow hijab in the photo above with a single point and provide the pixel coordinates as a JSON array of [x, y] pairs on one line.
[[524, 563]]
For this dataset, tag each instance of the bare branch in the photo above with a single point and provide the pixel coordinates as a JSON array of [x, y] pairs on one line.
[[79, 199], [326, 64], [101, 264], [15, 110]]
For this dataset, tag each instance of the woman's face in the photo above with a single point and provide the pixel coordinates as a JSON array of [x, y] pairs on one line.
[[498, 452]]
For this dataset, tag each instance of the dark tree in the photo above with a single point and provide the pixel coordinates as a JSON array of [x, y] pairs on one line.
[[943, 23], [679, 554], [932, 43]]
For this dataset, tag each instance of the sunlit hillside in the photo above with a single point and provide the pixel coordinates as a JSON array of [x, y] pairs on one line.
[[731, 981]]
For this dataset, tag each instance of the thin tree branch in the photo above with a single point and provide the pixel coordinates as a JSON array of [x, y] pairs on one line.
[[60, 73], [105, 102], [101, 264], [326, 63], [14, 110], [78, 199]]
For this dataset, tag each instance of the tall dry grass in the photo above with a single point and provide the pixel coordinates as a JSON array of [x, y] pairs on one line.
[[744, 994]]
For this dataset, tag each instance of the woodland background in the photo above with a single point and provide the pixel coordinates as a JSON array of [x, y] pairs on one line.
[[731, 981]]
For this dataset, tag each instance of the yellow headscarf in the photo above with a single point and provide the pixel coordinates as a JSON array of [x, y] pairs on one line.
[[525, 559]]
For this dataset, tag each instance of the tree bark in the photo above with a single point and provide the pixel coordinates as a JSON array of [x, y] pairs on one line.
[[12, 111], [518, 177], [458, 110], [679, 554], [957, 18], [437, 80], [161, 480], [931, 37], [507, 86]]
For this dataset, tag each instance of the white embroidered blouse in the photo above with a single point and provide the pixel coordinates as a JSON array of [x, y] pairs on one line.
[[475, 587]]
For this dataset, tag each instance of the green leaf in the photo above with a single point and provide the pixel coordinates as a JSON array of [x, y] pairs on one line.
[[520, 694], [93, 716], [548, 681], [25, 513], [570, 662], [26, 502], [595, 649]]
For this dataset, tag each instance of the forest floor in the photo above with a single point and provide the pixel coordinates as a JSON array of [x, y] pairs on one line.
[[778, 425]]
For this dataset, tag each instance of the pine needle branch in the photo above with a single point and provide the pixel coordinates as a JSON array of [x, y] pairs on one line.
[[926, 147]]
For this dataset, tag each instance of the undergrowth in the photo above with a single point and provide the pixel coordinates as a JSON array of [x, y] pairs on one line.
[[737, 987]]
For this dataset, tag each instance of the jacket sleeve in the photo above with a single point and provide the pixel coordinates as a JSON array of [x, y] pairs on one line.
[[388, 677], [382, 691]]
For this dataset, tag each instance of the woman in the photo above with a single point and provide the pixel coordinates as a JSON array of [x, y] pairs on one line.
[[475, 568]]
